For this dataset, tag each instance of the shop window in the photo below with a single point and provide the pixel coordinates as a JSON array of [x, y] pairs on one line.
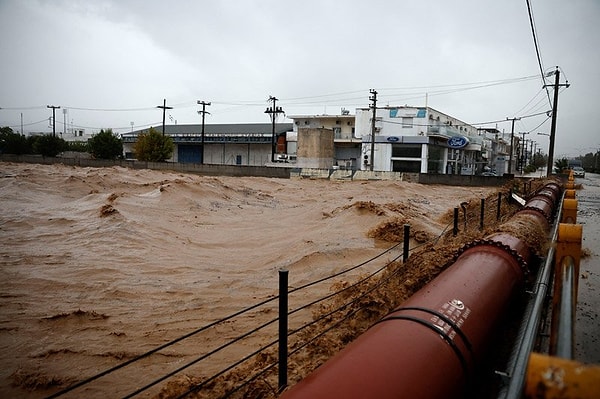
[[406, 151]]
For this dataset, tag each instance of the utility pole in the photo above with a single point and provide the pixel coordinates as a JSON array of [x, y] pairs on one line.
[[512, 141], [373, 98], [532, 150], [65, 122], [523, 157], [164, 108], [54, 108], [203, 112], [273, 111], [553, 128]]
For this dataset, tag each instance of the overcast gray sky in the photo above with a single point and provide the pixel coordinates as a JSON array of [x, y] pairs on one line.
[[111, 62]]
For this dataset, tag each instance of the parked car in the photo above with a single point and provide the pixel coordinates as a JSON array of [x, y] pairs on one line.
[[578, 171]]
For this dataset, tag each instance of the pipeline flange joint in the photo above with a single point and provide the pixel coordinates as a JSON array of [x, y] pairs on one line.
[[549, 217], [486, 242]]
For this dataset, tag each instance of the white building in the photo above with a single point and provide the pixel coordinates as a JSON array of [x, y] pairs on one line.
[[418, 140], [251, 144]]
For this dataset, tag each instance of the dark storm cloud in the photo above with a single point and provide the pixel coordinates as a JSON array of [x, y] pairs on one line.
[[132, 54]]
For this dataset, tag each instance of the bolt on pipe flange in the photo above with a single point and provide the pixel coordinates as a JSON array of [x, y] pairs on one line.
[[497, 244]]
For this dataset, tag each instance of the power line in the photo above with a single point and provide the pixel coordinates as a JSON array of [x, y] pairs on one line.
[[29, 124], [111, 109], [537, 50], [450, 88]]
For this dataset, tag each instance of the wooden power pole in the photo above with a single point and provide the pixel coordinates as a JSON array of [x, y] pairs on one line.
[[203, 112], [557, 84], [373, 98], [273, 111], [54, 108], [512, 143], [164, 108]]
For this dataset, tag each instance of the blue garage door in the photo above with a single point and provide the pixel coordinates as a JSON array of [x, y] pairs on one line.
[[189, 153]]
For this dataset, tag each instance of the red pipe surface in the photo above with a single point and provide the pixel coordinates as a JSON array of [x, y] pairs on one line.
[[430, 345]]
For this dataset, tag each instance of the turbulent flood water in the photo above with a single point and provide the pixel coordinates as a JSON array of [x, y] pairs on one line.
[[99, 265]]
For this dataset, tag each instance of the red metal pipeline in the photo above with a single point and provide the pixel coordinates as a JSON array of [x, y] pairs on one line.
[[430, 346]]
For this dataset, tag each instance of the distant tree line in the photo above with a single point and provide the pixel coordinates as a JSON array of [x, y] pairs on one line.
[[590, 162], [150, 146]]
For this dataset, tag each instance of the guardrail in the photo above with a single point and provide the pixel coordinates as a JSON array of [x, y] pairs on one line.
[[556, 374]]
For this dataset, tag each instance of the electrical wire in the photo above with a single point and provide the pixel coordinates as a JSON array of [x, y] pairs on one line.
[[537, 50], [28, 124], [522, 109]]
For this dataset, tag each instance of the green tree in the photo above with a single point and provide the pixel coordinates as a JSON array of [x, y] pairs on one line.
[[106, 145], [540, 160], [153, 147], [49, 145], [78, 146], [561, 164], [13, 143]]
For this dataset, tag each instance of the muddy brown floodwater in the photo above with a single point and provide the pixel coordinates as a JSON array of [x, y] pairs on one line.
[[100, 265]]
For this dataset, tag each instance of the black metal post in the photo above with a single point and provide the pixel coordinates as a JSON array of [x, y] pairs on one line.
[[482, 214], [283, 327], [498, 209], [455, 230], [406, 242]]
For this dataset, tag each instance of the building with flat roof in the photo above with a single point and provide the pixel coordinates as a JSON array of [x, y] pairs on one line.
[[250, 144], [324, 141], [418, 140]]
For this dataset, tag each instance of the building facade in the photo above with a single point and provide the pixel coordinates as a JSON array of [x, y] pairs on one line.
[[338, 130], [419, 140], [250, 144]]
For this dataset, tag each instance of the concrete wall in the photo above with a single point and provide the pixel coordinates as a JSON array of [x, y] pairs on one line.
[[461, 180], [315, 148], [210, 170], [274, 172]]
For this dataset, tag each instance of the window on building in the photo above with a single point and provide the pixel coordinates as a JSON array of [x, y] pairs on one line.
[[406, 166], [337, 132], [406, 151]]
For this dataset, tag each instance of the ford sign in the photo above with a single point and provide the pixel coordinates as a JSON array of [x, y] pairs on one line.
[[393, 139], [457, 142]]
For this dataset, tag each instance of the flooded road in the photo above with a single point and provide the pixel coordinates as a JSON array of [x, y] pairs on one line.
[[587, 337]]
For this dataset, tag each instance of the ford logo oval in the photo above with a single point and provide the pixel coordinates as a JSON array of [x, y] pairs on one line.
[[457, 142], [393, 139]]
